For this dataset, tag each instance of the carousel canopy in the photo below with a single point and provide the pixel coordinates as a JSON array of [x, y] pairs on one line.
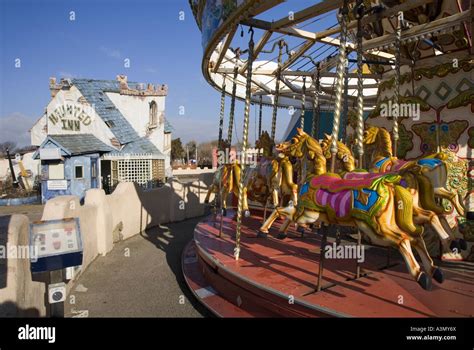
[[310, 37]]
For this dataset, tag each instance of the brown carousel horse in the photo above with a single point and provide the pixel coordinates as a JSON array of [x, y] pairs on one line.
[[379, 206], [426, 211], [270, 178]]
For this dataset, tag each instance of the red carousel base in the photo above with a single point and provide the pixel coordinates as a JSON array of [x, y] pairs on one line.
[[279, 278]]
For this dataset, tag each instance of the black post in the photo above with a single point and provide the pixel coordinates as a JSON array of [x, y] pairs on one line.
[[14, 180]]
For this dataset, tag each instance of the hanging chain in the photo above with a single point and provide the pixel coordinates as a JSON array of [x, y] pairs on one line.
[[398, 35], [281, 43], [232, 101], [316, 104], [244, 144], [359, 139], [221, 119], [303, 104], [260, 113], [341, 64]]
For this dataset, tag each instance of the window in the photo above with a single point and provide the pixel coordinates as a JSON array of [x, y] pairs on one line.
[[56, 171], [78, 171], [153, 118], [109, 123]]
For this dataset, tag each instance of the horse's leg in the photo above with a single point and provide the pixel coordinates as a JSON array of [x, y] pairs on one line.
[[413, 267], [287, 212], [428, 264], [283, 229], [395, 237], [422, 216], [452, 197], [211, 189], [224, 194]]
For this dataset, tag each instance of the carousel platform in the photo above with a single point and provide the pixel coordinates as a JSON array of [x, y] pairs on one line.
[[278, 278]]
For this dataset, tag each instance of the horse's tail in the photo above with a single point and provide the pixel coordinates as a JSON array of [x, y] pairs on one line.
[[404, 211], [427, 196]]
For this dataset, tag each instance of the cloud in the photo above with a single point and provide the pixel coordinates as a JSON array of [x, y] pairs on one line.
[[113, 53], [15, 127]]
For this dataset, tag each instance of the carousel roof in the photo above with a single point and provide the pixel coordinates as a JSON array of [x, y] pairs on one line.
[[431, 31]]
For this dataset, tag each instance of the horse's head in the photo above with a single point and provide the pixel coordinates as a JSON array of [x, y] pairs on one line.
[[294, 147], [266, 143]]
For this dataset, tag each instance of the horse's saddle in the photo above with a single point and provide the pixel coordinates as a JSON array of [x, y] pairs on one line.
[[351, 181], [394, 164]]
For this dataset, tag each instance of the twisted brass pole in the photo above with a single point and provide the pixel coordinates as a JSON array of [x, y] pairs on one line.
[[260, 112], [341, 63], [316, 106], [221, 118], [398, 34], [277, 89], [303, 104], [244, 144], [359, 132], [232, 101], [359, 144]]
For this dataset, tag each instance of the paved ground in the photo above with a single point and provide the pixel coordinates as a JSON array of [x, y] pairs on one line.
[[141, 277], [33, 211]]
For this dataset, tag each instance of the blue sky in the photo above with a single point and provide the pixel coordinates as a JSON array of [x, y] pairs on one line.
[[161, 49]]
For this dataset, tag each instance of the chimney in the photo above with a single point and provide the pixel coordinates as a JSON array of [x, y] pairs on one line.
[[53, 87], [122, 79]]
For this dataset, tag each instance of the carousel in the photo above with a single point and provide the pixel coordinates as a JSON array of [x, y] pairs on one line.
[[365, 208]]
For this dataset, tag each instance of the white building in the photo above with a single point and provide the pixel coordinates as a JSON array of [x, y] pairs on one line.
[[127, 117]]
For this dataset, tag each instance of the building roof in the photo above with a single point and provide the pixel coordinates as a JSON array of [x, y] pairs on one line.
[[76, 144], [140, 146], [94, 91]]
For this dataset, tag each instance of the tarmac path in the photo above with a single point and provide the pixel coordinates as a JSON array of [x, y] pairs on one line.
[[140, 277]]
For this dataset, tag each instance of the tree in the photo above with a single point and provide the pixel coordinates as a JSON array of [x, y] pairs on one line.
[[205, 152], [191, 148], [10, 145], [177, 151]]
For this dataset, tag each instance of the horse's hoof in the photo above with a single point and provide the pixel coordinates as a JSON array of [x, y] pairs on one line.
[[261, 234], [424, 281], [462, 244], [301, 231], [247, 213], [455, 246], [438, 275], [224, 212], [281, 235]]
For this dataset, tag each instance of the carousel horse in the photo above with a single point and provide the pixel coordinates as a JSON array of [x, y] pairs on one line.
[[433, 166], [426, 211], [378, 205], [226, 180], [272, 177]]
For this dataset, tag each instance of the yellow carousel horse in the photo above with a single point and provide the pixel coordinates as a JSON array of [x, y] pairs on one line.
[[378, 205], [426, 211], [433, 166]]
